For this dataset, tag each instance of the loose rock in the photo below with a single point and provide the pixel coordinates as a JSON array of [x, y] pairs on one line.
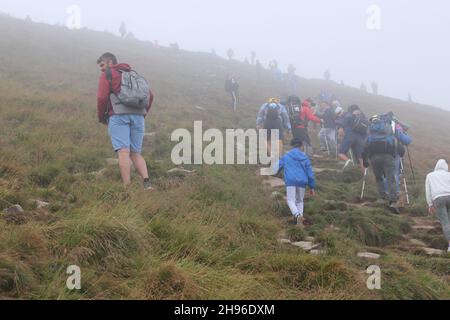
[[368, 255], [41, 204], [274, 182], [306, 245]]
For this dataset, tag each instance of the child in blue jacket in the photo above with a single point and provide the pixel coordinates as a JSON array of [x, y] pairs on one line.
[[298, 174]]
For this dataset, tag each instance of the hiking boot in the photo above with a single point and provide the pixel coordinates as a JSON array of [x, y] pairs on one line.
[[147, 185], [394, 208], [300, 221]]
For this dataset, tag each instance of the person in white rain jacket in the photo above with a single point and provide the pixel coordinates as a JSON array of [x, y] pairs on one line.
[[437, 187]]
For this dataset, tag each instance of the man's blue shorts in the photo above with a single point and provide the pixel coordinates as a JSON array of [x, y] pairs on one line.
[[355, 142], [127, 132]]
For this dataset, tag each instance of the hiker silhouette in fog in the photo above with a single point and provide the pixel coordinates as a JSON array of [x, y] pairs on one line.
[[437, 189], [363, 87], [230, 54], [232, 88], [298, 174], [293, 81], [327, 75], [253, 57], [374, 88], [353, 133], [125, 120]]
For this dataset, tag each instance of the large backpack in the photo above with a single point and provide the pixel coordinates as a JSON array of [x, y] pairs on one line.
[[359, 123], [381, 137], [273, 113], [134, 89], [294, 109], [294, 115]]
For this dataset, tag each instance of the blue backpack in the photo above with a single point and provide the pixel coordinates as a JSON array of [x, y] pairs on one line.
[[273, 111], [382, 130]]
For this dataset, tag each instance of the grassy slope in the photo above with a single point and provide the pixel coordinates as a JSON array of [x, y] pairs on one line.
[[213, 235]]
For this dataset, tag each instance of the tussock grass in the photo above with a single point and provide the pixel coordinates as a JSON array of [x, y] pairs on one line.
[[212, 235]]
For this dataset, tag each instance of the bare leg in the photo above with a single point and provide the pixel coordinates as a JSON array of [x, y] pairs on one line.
[[361, 165], [125, 166], [139, 163], [343, 157]]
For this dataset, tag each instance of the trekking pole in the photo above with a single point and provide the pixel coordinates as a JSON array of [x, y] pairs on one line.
[[402, 168], [326, 142], [410, 163], [364, 183], [337, 144], [351, 156]]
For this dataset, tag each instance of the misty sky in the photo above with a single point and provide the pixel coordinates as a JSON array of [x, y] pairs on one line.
[[410, 53]]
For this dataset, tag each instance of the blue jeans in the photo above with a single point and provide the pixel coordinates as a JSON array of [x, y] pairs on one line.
[[127, 132], [353, 141], [397, 175]]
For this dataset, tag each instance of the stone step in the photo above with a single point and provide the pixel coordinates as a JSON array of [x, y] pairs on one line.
[[418, 243], [274, 182], [306, 245], [368, 255], [433, 252], [284, 241]]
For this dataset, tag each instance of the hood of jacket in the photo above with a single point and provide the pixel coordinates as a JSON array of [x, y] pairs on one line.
[[298, 155], [441, 165], [121, 67]]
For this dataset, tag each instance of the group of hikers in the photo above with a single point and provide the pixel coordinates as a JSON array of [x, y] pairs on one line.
[[124, 99]]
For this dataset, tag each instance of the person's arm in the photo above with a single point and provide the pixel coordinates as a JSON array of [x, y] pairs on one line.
[[260, 117], [285, 118], [403, 137], [310, 173], [102, 98], [310, 116], [428, 192], [278, 166]]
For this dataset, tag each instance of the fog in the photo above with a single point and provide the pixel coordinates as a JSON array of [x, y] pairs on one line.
[[408, 53]]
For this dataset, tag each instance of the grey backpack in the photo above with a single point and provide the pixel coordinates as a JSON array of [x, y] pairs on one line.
[[134, 89]]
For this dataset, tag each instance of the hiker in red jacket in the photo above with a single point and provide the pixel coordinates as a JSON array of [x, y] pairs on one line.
[[126, 125], [300, 129]]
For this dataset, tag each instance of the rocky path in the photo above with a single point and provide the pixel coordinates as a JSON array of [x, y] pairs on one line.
[[420, 226]]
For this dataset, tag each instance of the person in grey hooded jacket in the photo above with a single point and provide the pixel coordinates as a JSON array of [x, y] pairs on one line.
[[437, 187]]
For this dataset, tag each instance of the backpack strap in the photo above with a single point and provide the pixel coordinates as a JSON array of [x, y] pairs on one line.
[[108, 74]]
